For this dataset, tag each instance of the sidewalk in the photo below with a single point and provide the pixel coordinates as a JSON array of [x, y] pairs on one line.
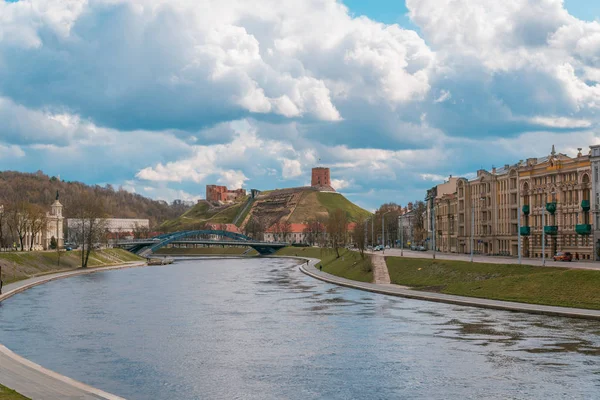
[[400, 291], [34, 381]]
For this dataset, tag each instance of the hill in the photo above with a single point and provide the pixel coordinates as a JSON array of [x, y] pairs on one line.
[[296, 205], [41, 189], [202, 213]]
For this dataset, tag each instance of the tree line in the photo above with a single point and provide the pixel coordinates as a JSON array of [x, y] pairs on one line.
[[40, 189]]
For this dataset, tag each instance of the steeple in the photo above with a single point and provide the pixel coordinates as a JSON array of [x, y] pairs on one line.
[[57, 195], [553, 153]]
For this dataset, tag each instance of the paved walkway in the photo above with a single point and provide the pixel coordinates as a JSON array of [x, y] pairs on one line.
[[35, 381], [396, 290], [593, 265], [380, 271]]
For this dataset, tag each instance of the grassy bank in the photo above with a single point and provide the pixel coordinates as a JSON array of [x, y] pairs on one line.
[[520, 283], [204, 251], [8, 394], [22, 265], [350, 265]]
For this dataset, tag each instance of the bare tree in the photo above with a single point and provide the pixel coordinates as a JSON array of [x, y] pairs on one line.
[[360, 235], [282, 229], [255, 228], [419, 221], [17, 221], [37, 220], [89, 225], [140, 231], [3, 228], [337, 228]]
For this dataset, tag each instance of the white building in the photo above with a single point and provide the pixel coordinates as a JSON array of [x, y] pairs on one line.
[[53, 229], [122, 227]]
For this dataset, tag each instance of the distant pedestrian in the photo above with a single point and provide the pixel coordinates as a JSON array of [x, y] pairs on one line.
[[320, 268], [577, 256], [0, 286]]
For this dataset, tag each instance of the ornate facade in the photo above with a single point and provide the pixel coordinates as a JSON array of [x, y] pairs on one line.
[[555, 195]]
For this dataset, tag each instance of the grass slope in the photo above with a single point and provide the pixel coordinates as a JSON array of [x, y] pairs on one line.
[[315, 204], [350, 265], [525, 284], [203, 213], [22, 265], [208, 251], [8, 394]]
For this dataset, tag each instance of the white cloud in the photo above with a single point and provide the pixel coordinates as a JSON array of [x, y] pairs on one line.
[[432, 177], [340, 184], [444, 96], [561, 122], [291, 168]]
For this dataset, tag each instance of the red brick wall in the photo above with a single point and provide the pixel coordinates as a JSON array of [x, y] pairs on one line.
[[220, 193], [320, 177]]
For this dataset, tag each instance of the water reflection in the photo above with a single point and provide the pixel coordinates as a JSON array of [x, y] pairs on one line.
[[259, 329]]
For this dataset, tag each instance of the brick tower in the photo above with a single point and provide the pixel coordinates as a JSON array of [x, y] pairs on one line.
[[321, 177]]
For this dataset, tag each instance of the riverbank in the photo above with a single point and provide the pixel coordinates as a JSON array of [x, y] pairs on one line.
[[17, 266], [349, 265], [400, 291], [510, 282], [33, 380], [527, 284], [208, 251], [9, 394]]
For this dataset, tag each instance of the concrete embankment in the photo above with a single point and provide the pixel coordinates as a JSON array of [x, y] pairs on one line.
[[33, 380], [400, 291]]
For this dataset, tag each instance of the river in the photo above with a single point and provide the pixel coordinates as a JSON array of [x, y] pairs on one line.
[[260, 329]]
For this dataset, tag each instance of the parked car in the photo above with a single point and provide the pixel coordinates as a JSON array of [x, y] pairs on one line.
[[421, 248], [377, 248], [68, 248], [413, 247], [560, 256]]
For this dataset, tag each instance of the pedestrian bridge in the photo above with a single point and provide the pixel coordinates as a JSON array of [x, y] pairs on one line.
[[145, 247]]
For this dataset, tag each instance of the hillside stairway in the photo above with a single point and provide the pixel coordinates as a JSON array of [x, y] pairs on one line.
[[242, 212]]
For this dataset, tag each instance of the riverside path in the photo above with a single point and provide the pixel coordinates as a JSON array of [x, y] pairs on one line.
[[33, 380]]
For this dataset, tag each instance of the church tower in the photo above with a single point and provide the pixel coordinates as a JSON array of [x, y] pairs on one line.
[[54, 225]]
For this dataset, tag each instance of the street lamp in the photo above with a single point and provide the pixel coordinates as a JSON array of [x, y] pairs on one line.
[[401, 219], [383, 230], [473, 224]]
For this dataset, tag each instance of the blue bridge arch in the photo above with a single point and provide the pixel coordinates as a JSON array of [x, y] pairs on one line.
[[148, 246]]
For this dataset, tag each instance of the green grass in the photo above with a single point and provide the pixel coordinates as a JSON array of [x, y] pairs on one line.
[[22, 265], [203, 213], [350, 265], [208, 251], [510, 282], [321, 204], [8, 394], [334, 201]]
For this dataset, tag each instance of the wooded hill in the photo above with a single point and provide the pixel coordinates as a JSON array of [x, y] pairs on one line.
[[40, 189]]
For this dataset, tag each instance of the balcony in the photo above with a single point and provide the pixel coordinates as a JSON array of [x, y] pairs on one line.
[[526, 209], [584, 229], [551, 207], [525, 230], [551, 229], [585, 205]]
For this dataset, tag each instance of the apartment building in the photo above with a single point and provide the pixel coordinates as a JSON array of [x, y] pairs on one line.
[[486, 209], [556, 197]]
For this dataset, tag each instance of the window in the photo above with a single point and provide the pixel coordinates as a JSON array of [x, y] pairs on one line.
[[596, 174]]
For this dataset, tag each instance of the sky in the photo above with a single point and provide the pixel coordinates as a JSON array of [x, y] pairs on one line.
[[161, 97]]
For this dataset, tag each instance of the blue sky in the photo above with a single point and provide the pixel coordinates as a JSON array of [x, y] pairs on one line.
[[162, 97]]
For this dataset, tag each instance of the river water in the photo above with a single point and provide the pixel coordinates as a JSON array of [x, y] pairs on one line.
[[260, 329]]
